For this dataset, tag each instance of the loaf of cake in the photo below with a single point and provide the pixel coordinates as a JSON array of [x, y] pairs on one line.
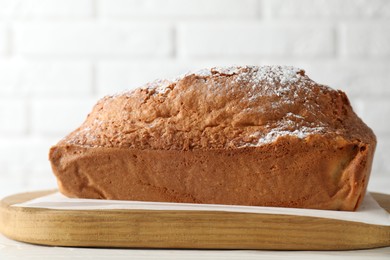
[[261, 136]]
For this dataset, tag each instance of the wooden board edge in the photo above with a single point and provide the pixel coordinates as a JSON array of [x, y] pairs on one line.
[[298, 230], [25, 196], [382, 199]]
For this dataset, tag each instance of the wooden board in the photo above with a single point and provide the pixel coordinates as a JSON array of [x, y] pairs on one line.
[[185, 229]]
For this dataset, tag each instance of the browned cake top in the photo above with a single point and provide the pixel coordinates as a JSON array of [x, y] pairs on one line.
[[226, 108]]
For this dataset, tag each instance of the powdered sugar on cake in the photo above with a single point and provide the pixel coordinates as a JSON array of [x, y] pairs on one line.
[[281, 75], [261, 106], [272, 74], [275, 133]]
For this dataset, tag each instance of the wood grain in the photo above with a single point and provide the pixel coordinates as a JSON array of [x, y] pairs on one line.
[[185, 229]]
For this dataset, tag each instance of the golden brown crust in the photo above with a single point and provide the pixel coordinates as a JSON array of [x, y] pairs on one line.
[[241, 135]]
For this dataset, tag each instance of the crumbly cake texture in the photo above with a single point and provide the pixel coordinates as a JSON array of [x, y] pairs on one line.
[[264, 136]]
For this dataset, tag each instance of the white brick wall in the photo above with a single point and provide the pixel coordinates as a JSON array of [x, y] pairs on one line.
[[25, 164], [117, 76], [45, 78], [13, 116], [360, 78], [248, 39], [328, 9], [58, 57], [366, 40], [57, 115], [51, 9], [375, 112], [178, 8], [86, 38]]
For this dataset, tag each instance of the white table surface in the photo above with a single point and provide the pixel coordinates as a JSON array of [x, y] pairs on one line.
[[10, 249]]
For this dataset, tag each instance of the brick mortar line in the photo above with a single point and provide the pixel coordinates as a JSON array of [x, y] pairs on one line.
[[259, 6], [28, 113], [258, 16], [133, 60], [337, 41], [174, 41], [8, 41], [169, 58], [59, 57], [94, 7], [94, 79], [46, 18]]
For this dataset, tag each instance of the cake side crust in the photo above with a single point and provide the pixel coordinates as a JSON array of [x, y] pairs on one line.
[[316, 173]]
